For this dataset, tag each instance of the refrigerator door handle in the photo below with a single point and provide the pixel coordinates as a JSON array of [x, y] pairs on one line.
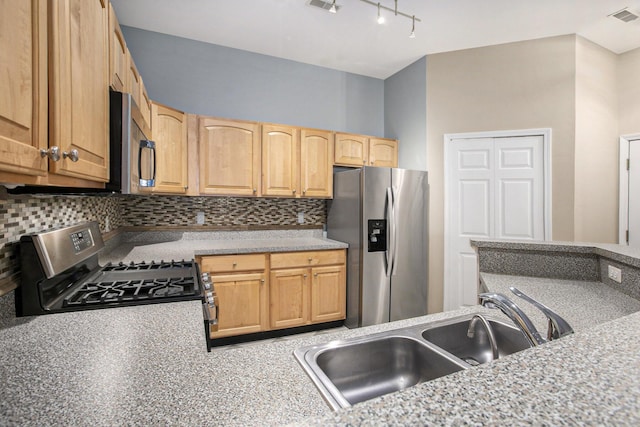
[[394, 233], [391, 220]]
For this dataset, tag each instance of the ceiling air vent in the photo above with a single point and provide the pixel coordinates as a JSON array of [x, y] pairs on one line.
[[324, 5], [625, 15]]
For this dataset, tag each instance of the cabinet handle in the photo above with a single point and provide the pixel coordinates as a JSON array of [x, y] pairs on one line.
[[73, 155], [52, 153]]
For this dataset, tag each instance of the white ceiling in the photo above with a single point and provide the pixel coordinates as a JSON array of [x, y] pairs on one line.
[[352, 41]]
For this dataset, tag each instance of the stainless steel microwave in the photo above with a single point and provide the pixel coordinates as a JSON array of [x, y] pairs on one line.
[[132, 161]]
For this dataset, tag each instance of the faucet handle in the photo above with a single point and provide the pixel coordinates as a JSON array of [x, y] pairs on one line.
[[558, 327]]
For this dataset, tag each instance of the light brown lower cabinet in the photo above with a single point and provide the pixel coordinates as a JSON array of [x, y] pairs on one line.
[[261, 292]]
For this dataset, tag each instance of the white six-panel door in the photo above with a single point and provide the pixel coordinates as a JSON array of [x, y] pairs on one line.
[[494, 189]]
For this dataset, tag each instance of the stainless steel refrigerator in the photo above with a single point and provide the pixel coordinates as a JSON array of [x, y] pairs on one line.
[[382, 214]]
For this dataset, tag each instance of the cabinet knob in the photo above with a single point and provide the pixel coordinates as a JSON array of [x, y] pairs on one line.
[[364, 162], [255, 190], [304, 275], [304, 191], [310, 259], [73, 155], [372, 162], [315, 274], [235, 264], [53, 153], [294, 191], [262, 281]]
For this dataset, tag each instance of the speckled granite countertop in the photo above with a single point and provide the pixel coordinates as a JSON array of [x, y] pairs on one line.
[[622, 253], [148, 365], [147, 246]]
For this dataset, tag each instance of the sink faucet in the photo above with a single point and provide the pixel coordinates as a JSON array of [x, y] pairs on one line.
[[508, 307], [558, 327], [490, 335]]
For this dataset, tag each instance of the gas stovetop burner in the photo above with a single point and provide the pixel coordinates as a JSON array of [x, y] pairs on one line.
[[150, 266], [130, 291]]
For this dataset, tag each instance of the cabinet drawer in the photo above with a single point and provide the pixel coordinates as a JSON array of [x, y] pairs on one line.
[[307, 259], [229, 263]]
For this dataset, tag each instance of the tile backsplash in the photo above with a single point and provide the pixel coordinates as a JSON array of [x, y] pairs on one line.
[[28, 214]]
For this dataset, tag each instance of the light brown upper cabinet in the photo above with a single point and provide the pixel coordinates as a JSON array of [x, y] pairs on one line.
[[79, 88], [360, 150], [296, 162], [383, 152], [134, 81], [351, 150], [145, 107], [280, 161], [170, 136], [316, 163], [229, 157], [118, 56], [23, 88]]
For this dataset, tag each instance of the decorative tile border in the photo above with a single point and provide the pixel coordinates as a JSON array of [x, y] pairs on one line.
[[221, 211]]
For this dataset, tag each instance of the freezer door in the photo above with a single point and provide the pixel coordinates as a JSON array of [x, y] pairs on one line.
[[375, 280], [344, 224], [409, 278]]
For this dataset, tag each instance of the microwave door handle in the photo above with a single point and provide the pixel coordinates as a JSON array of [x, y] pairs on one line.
[[152, 146]]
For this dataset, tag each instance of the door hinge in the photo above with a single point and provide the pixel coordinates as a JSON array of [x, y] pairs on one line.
[[627, 236], [628, 163]]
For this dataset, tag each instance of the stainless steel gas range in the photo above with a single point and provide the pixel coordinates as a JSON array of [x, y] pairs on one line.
[[60, 272]]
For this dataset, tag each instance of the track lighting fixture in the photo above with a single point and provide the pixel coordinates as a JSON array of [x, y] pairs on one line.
[[380, 17], [333, 7], [396, 12], [413, 27]]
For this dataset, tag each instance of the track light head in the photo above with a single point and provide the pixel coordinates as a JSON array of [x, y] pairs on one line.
[[380, 17], [413, 27]]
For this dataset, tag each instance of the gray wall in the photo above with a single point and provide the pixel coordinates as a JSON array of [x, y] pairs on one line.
[[208, 79], [405, 113]]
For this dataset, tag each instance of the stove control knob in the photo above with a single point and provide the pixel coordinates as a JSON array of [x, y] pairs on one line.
[[205, 276], [207, 285]]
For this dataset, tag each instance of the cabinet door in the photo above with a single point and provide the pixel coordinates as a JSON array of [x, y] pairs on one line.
[[316, 163], [351, 150], [23, 86], [118, 59], [133, 79], [145, 107], [229, 157], [170, 136], [383, 152], [242, 304], [279, 161], [289, 298], [328, 293], [79, 87]]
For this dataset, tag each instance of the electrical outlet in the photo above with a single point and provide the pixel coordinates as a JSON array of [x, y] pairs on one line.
[[614, 273], [300, 217], [200, 218]]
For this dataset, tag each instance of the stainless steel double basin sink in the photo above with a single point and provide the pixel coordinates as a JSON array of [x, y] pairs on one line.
[[354, 370]]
